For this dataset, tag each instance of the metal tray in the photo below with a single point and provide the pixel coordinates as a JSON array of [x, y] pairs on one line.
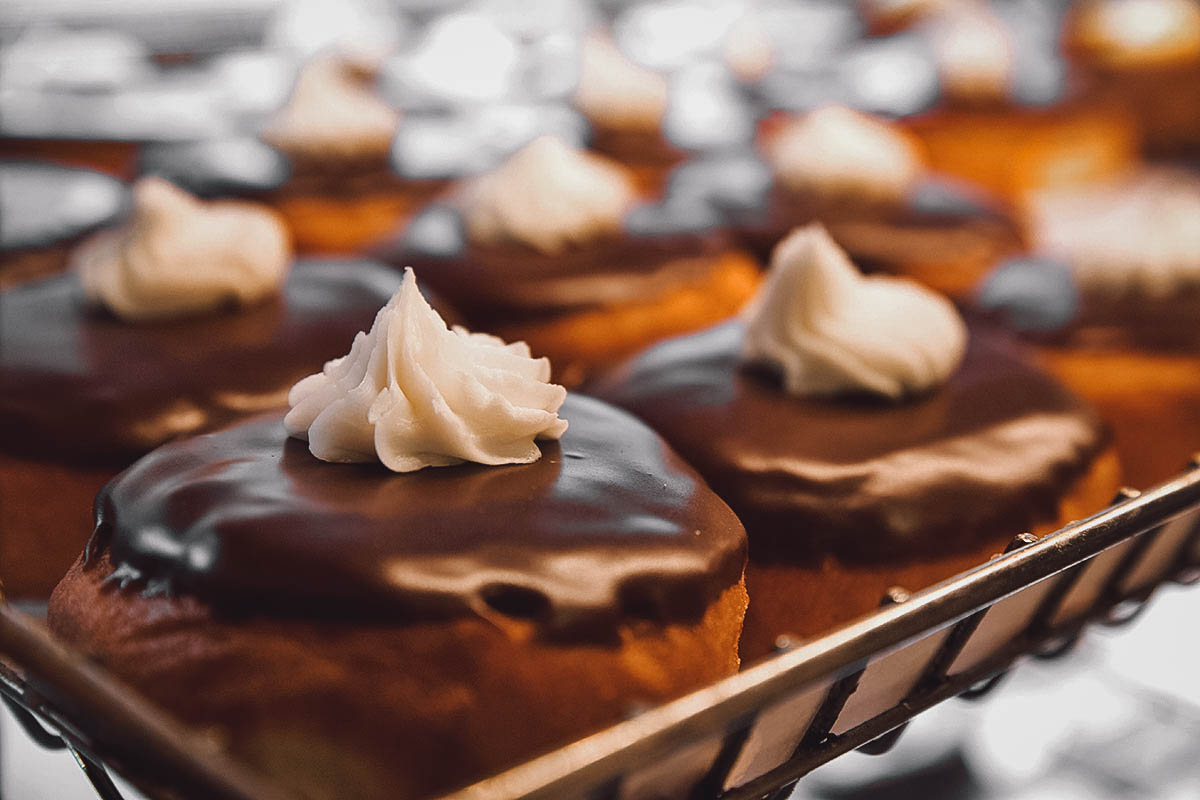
[[749, 736]]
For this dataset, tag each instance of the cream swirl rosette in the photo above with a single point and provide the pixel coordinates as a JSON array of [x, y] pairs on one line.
[[413, 393], [974, 52], [548, 196], [333, 111], [179, 255], [829, 330], [616, 92], [836, 151]]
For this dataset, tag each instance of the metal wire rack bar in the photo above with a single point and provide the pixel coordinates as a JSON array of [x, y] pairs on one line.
[[101, 721], [579, 767], [1034, 600]]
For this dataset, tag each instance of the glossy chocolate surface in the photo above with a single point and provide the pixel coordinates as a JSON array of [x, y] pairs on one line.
[[44, 204], [642, 148], [990, 452], [940, 221], [502, 283], [935, 225], [82, 386], [1040, 298], [248, 167], [217, 167], [609, 524], [351, 178]]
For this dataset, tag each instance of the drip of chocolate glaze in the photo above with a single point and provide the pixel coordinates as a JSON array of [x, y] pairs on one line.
[[992, 450], [83, 387], [609, 525]]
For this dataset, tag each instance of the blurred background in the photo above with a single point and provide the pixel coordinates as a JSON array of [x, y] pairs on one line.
[[1011, 100], [98, 83]]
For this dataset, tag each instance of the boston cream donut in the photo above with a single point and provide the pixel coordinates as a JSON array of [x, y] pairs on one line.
[[869, 183], [866, 436], [336, 134], [1011, 117], [553, 248], [1113, 299], [448, 567], [1144, 56], [189, 316], [626, 106]]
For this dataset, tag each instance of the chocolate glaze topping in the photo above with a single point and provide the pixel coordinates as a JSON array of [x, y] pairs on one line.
[[990, 452], [1040, 298], [608, 525], [935, 224], [636, 147], [940, 220], [43, 204], [82, 386], [224, 167], [495, 284]]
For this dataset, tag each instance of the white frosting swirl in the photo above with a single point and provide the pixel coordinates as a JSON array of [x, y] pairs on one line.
[[333, 111], [835, 151], [549, 196], [178, 255], [747, 49], [974, 51], [831, 331], [414, 394], [616, 92], [1138, 234]]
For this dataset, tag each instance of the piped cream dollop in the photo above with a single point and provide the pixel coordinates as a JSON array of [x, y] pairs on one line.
[[830, 330], [616, 92], [179, 256], [836, 151], [548, 196], [975, 52], [413, 393], [333, 110]]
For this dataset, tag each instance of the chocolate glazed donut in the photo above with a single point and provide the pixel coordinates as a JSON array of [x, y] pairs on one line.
[[85, 393], [845, 497], [356, 632], [606, 523], [84, 386]]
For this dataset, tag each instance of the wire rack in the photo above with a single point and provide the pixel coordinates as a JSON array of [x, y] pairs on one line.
[[748, 737]]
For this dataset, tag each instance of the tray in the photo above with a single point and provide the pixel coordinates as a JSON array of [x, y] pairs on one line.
[[749, 736]]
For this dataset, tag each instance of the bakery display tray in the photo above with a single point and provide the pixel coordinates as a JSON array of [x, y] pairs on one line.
[[749, 736]]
